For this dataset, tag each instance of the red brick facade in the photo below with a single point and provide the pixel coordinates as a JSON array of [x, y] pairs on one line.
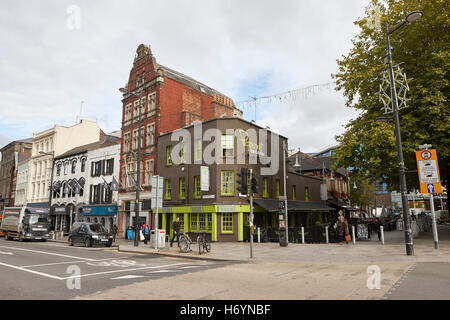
[[178, 101]]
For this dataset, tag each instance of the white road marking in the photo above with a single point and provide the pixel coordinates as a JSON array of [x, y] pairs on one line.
[[190, 267], [9, 253], [125, 270], [67, 262], [32, 271], [49, 253], [164, 271], [127, 277]]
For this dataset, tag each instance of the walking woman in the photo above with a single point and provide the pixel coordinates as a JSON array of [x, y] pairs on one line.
[[342, 230]]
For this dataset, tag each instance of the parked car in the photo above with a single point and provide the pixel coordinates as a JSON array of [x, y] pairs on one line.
[[90, 234]]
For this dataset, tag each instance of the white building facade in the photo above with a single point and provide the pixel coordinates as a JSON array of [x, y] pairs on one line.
[[49, 144], [20, 198]]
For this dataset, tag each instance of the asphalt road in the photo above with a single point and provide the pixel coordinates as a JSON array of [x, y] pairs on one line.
[[423, 281], [49, 270]]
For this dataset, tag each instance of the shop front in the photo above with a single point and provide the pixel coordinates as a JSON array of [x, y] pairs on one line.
[[105, 215]]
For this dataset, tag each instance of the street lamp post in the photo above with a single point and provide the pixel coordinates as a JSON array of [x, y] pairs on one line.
[[138, 168], [401, 165]]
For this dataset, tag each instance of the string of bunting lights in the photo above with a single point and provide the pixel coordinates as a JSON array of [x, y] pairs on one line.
[[292, 95]]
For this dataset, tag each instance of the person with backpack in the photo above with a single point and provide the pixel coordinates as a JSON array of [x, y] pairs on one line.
[[146, 232]]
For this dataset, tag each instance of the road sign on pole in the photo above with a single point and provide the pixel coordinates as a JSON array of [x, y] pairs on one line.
[[428, 169]]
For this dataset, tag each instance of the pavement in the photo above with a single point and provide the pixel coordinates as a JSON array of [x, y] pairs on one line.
[[363, 251], [366, 270]]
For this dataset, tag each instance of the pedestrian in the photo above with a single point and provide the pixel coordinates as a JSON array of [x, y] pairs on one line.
[[377, 228], [146, 232], [342, 230], [176, 231], [114, 233]]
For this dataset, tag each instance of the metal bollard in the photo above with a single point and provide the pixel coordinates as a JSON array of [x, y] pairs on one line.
[[303, 234], [382, 234], [259, 236], [326, 235], [353, 235]]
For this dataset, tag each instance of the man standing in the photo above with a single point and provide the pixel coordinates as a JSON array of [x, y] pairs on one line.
[[114, 233], [146, 231], [176, 231]]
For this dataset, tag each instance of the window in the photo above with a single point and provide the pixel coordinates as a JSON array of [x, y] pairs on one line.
[[198, 150], [58, 169], [227, 183], [168, 193], [126, 142], [265, 188], [83, 165], [227, 222], [182, 194], [278, 188], [209, 222], [65, 168], [96, 168], [151, 101], [151, 134], [182, 153], [127, 112], [95, 193], [74, 166], [306, 194], [107, 194], [168, 156], [194, 222], [148, 171], [142, 105], [227, 145], [294, 193], [109, 166], [136, 108], [135, 139], [197, 191]]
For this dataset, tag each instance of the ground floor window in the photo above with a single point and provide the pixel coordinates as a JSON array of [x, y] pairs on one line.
[[227, 222], [200, 222]]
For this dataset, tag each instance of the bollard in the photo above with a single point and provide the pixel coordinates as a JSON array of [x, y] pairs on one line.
[[353, 235], [303, 234], [382, 234], [326, 234], [259, 236]]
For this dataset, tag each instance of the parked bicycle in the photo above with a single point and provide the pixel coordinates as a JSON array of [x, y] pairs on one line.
[[185, 243], [203, 243]]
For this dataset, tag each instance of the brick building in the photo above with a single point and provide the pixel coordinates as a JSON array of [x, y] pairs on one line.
[[12, 154], [204, 195], [170, 100]]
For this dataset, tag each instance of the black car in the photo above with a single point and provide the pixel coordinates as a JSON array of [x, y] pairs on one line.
[[90, 234]]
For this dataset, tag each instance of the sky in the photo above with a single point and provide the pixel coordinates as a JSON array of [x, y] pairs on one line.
[[55, 54]]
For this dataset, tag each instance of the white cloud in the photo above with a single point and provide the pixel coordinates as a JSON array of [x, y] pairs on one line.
[[48, 69]]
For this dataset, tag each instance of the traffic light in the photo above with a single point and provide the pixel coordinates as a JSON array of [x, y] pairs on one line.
[[242, 181], [255, 185]]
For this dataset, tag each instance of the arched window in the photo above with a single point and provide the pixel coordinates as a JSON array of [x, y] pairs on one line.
[[83, 164], [58, 169], [74, 165]]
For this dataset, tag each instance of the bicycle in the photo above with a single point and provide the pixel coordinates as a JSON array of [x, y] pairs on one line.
[[185, 243], [203, 243]]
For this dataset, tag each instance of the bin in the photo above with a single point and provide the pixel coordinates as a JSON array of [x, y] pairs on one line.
[[160, 238]]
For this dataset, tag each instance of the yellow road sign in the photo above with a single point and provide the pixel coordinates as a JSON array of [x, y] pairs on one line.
[[428, 169]]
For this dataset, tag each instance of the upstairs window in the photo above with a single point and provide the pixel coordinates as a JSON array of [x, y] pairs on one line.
[[227, 145]]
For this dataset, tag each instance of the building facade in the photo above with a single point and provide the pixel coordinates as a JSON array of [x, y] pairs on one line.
[[203, 193], [22, 183], [78, 182], [50, 144], [12, 154], [170, 100]]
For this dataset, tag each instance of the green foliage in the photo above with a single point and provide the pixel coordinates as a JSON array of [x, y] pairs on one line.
[[369, 146]]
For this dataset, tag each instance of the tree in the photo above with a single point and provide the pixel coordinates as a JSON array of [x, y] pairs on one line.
[[369, 146]]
